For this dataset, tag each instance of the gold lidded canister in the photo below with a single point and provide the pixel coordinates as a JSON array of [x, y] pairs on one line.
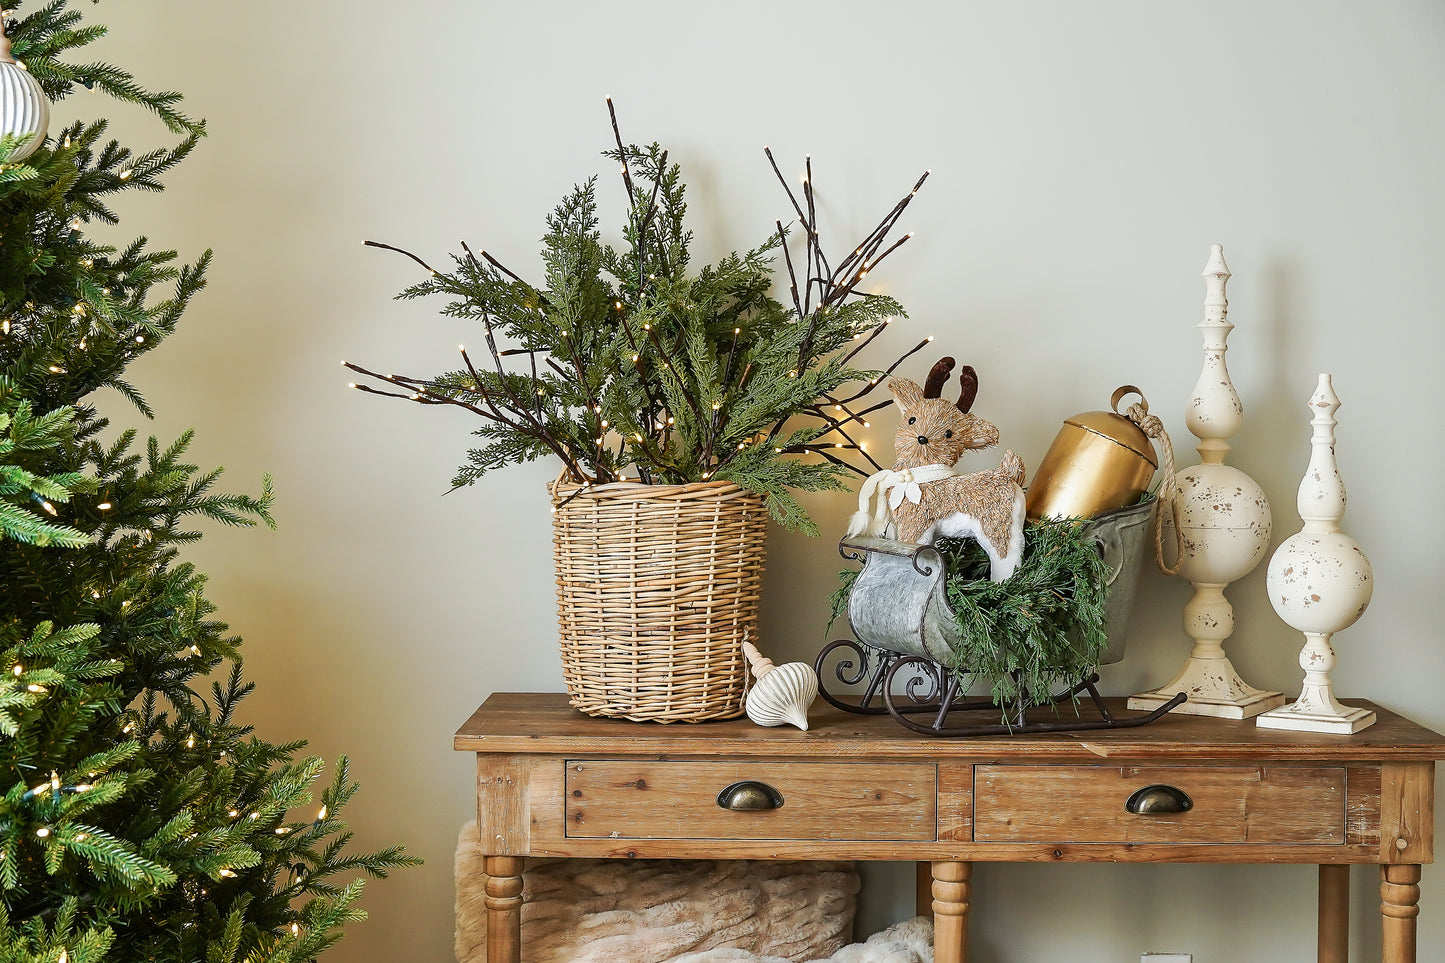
[[1099, 461]]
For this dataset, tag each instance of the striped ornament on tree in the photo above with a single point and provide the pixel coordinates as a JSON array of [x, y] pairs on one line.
[[24, 108]]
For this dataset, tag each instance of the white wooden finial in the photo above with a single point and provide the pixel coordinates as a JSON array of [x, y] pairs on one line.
[[1320, 581], [1224, 525]]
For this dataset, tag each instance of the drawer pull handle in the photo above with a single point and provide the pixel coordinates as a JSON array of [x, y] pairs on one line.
[[1152, 800], [750, 794]]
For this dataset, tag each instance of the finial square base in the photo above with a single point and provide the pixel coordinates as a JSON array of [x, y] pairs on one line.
[[1214, 689], [1301, 717]]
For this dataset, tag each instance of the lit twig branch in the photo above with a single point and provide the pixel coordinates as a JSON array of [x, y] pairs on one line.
[[877, 330], [387, 247], [873, 383], [864, 251]]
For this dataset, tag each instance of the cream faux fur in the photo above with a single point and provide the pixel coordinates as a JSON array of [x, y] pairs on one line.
[[908, 942], [655, 910]]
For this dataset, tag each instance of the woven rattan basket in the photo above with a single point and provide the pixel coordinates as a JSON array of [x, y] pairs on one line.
[[657, 586]]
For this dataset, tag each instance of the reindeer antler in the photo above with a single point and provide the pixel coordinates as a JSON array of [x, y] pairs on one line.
[[968, 380], [937, 378]]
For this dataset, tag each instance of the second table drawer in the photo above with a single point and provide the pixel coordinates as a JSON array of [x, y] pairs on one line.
[[608, 798], [1270, 805]]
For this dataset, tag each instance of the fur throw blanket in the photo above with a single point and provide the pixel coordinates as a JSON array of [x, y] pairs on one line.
[[666, 911], [908, 942]]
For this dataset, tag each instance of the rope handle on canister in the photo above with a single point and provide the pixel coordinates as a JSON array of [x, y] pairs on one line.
[[1168, 484]]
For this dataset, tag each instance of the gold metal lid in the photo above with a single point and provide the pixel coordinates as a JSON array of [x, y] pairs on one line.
[[1118, 428]]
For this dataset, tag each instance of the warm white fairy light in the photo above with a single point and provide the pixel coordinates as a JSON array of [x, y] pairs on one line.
[[191, 742], [226, 874], [19, 670], [35, 688], [43, 831], [321, 815], [125, 175]]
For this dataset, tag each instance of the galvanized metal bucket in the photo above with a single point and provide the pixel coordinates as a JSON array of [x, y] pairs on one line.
[[899, 602]]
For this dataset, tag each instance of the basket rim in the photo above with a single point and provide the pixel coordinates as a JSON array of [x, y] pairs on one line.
[[571, 490]]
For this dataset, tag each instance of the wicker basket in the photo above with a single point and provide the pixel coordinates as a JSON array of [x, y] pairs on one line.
[[657, 586]]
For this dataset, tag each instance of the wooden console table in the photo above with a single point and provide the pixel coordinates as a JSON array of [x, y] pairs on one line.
[[553, 782]]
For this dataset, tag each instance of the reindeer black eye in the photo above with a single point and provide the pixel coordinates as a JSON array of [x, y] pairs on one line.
[[948, 433], [912, 420]]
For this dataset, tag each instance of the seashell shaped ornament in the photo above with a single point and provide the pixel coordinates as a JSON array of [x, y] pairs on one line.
[[782, 693], [24, 111]]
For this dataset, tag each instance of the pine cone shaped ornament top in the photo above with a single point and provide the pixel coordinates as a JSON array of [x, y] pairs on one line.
[[24, 109]]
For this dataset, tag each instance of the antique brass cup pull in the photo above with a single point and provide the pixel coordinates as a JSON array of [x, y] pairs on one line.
[[750, 794], [1152, 800]]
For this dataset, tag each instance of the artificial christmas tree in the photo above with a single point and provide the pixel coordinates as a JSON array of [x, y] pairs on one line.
[[139, 818]]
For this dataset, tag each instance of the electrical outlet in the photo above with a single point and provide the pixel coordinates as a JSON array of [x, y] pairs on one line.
[[1167, 958]]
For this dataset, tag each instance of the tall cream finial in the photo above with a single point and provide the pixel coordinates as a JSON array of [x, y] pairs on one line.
[[1224, 525]]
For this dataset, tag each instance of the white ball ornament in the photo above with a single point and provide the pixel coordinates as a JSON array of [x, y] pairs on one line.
[[24, 109], [1224, 522], [1320, 581]]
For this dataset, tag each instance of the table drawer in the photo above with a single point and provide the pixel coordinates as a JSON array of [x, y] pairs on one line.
[[617, 799], [1282, 805]]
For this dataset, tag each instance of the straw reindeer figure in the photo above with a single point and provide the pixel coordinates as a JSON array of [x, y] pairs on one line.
[[925, 497]]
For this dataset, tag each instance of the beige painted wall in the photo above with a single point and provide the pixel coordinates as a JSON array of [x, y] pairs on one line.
[[1084, 155]]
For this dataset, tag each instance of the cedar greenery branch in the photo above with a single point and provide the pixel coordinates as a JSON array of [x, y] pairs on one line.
[[140, 818], [632, 360]]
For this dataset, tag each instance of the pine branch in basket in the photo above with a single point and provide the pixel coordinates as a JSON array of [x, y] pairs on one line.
[[630, 360]]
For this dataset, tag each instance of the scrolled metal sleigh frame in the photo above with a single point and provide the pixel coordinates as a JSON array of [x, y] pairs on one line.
[[898, 609]]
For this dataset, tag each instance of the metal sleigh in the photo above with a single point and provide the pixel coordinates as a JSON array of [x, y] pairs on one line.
[[903, 657]]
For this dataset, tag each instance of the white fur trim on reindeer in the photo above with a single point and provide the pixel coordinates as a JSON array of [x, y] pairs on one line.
[[891, 488], [964, 525]]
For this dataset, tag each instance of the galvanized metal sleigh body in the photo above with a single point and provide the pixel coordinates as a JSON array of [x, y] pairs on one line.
[[904, 654]]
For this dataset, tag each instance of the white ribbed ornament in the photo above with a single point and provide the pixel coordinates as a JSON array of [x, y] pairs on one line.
[[782, 693], [24, 111]]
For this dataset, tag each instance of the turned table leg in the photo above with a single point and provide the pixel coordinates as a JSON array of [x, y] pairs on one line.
[[1400, 905], [1334, 911], [504, 909], [950, 911]]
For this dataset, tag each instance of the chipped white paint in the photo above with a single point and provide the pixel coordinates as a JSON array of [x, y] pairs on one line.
[[1224, 525], [1320, 582]]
